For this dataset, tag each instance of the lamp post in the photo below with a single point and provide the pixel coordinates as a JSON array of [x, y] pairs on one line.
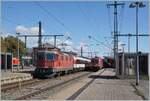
[[18, 49], [137, 5]]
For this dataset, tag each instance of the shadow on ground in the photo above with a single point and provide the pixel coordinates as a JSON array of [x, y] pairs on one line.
[[30, 72], [103, 77]]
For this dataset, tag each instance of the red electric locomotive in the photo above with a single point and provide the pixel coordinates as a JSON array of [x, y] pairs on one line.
[[95, 65], [53, 61]]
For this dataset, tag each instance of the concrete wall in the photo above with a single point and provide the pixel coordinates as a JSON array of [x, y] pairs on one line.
[[127, 64], [6, 61]]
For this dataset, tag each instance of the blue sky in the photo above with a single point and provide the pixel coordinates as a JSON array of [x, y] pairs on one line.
[[80, 19]]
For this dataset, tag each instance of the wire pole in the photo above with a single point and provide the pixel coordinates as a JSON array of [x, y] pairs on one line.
[[40, 33], [81, 51], [137, 55], [129, 35], [18, 50], [54, 41], [115, 5]]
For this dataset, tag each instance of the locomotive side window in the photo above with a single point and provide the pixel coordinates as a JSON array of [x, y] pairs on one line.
[[50, 56], [66, 58], [56, 56], [41, 55], [62, 58]]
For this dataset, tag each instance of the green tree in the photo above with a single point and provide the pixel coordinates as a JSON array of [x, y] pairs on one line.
[[10, 44], [3, 47]]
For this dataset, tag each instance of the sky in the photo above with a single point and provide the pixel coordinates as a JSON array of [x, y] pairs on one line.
[[77, 20]]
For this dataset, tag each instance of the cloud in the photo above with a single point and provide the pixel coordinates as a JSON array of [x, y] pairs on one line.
[[26, 30], [31, 41], [35, 30], [21, 29]]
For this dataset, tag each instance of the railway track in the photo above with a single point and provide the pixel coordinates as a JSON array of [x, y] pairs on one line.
[[31, 88], [49, 88], [15, 85]]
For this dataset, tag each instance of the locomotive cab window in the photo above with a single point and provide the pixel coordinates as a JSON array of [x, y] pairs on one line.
[[95, 61]]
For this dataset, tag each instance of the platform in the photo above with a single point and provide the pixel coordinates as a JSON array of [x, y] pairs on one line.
[[107, 87], [102, 85], [16, 76]]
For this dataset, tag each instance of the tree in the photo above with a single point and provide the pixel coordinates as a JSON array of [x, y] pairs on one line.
[[10, 44]]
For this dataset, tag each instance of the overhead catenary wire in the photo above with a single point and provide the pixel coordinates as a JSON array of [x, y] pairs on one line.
[[86, 17], [91, 21], [101, 43], [121, 18], [109, 19], [53, 16]]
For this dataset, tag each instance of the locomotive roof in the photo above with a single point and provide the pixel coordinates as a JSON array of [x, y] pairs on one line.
[[46, 48], [55, 52], [47, 51]]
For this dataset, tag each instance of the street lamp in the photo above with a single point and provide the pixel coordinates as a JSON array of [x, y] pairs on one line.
[[137, 5], [18, 49]]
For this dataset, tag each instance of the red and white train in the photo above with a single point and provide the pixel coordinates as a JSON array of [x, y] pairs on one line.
[[53, 61]]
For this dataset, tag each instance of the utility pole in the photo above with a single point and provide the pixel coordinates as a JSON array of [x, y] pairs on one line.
[[115, 5], [40, 33], [81, 51], [54, 40], [25, 45], [55, 37], [18, 51], [137, 5], [129, 36], [25, 42]]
